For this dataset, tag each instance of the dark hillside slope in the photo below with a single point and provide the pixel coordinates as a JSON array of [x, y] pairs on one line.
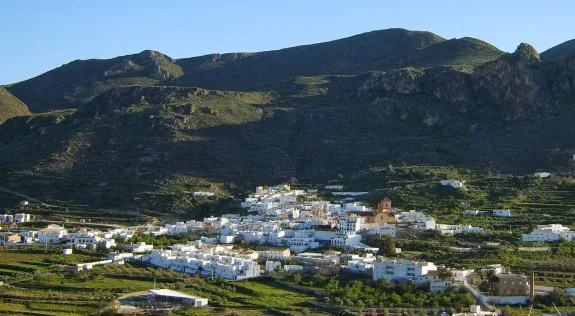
[[377, 50], [79, 81], [149, 148], [563, 50]]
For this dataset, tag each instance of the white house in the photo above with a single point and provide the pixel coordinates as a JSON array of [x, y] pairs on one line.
[[6, 218], [440, 285], [456, 184], [553, 232], [350, 223], [140, 247], [383, 230], [21, 218], [458, 229], [542, 175], [204, 193], [275, 253], [361, 264], [400, 270], [272, 266], [293, 268], [214, 261], [51, 234], [502, 213], [421, 220]]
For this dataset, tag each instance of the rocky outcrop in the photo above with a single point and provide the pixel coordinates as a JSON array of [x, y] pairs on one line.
[[149, 63], [517, 85], [123, 97]]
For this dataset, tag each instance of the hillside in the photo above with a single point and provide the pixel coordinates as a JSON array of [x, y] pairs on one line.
[[563, 50], [150, 147], [377, 50], [10, 106], [79, 81]]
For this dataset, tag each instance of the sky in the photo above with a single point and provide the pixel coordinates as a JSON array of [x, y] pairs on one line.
[[41, 35]]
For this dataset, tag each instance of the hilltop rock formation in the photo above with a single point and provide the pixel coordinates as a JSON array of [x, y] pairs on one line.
[[517, 85]]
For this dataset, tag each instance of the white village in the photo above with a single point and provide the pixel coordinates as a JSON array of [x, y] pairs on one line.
[[293, 231]]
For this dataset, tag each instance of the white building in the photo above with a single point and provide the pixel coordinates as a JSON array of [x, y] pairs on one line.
[[140, 247], [359, 264], [162, 297], [542, 175], [400, 270], [419, 219], [6, 218], [456, 184], [383, 230], [275, 254], [293, 268], [350, 223], [21, 218], [273, 266], [553, 232], [440, 285], [458, 229], [502, 213], [204, 193], [179, 228], [208, 262], [51, 234]]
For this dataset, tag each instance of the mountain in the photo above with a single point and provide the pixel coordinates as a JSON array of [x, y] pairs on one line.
[[79, 81], [139, 137], [562, 50], [148, 147], [10, 106]]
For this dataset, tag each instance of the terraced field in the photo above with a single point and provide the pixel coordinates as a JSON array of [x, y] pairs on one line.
[[37, 283]]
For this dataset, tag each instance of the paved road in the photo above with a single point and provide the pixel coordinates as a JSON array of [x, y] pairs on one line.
[[543, 290], [83, 224]]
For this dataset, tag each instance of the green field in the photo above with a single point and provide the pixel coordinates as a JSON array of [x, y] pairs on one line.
[[38, 284]]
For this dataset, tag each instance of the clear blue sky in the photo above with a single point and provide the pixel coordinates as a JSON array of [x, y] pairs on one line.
[[40, 35]]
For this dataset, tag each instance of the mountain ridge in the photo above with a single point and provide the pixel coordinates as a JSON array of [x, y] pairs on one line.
[[143, 140], [79, 81]]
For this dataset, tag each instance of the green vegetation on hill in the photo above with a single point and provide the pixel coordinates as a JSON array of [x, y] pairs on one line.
[[37, 283], [140, 143], [10, 106], [464, 51], [563, 50], [79, 81]]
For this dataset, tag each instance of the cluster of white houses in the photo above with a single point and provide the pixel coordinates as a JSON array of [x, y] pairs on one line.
[[16, 218], [496, 213], [56, 234], [207, 260], [553, 232], [282, 225]]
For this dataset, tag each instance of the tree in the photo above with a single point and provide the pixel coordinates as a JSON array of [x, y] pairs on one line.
[[559, 297], [507, 311], [332, 285], [297, 278]]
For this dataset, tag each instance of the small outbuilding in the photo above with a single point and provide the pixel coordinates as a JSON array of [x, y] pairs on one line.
[[162, 298]]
